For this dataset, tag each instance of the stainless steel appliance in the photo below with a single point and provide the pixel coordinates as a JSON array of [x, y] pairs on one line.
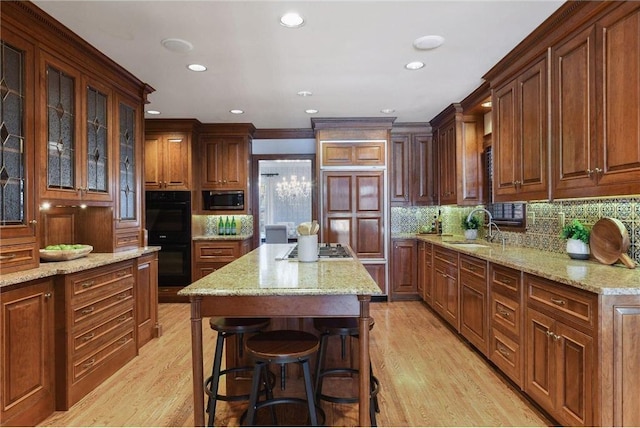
[[168, 221], [325, 251], [223, 200]]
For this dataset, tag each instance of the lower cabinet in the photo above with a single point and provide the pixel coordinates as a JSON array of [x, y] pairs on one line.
[[474, 298], [404, 282], [209, 256], [95, 328], [146, 297], [560, 350], [27, 359], [445, 285], [425, 271]]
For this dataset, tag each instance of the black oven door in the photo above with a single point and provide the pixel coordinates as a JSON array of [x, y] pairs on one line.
[[174, 265], [168, 217]]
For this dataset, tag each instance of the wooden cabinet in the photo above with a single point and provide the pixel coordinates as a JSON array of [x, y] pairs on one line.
[[209, 256], [95, 328], [353, 211], [520, 140], [595, 121], [411, 176], [27, 354], [474, 301], [458, 141], [146, 298], [378, 272], [561, 353], [167, 153], [350, 153], [506, 320], [425, 271], [404, 281], [19, 230], [445, 285]]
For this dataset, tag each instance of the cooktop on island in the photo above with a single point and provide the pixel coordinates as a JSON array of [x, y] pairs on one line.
[[325, 251]]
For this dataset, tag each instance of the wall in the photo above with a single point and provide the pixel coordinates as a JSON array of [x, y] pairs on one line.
[[543, 221]]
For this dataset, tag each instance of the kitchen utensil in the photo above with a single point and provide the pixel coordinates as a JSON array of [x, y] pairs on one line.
[[609, 242], [315, 227]]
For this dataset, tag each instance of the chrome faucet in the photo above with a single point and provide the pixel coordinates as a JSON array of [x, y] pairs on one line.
[[490, 236]]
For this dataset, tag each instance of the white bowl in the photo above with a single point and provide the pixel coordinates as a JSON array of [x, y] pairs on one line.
[[62, 255]]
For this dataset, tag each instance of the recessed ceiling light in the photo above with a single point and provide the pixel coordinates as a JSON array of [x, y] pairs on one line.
[[414, 65], [153, 112], [428, 42], [176, 45], [305, 93], [387, 110], [196, 67], [236, 111], [311, 111], [291, 20]]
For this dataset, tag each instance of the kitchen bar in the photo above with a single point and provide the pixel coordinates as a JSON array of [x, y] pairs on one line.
[[264, 284]]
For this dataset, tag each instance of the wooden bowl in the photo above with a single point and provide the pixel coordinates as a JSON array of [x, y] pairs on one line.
[[63, 255]]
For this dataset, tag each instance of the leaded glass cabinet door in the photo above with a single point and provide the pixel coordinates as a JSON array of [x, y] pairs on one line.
[[18, 231], [129, 169]]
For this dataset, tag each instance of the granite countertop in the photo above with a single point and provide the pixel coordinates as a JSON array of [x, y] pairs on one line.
[[222, 237], [266, 272], [92, 260], [589, 275]]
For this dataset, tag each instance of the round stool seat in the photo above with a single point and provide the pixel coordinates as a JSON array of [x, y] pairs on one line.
[[282, 346], [339, 326], [238, 325]]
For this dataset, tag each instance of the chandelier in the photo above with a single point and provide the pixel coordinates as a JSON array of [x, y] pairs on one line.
[[293, 190]]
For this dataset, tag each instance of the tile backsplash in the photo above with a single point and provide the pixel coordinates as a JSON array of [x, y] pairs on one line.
[[208, 224], [544, 221]]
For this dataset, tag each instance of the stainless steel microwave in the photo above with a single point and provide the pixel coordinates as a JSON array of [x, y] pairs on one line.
[[217, 200]]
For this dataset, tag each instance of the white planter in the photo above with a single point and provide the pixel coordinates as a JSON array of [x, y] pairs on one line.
[[576, 249], [471, 234]]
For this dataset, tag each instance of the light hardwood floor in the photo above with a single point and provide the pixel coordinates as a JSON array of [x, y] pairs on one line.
[[428, 377]]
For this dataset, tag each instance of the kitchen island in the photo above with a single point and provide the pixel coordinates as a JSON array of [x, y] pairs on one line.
[[264, 283]]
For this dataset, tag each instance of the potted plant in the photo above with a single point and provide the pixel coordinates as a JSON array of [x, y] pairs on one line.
[[470, 227], [577, 236]]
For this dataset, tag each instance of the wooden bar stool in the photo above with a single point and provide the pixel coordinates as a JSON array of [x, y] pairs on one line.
[[281, 347], [227, 327], [343, 327]]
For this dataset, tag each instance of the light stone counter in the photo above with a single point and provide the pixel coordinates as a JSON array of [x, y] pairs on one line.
[[92, 260], [265, 272], [589, 275]]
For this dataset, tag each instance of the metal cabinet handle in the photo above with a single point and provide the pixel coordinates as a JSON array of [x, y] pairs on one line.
[[122, 318], [589, 172], [503, 351], [121, 274], [559, 302], [47, 295], [88, 284], [8, 257], [123, 296], [87, 311], [88, 337], [89, 363], [598, 171], [122, 341], [33, 222], [504, 313]]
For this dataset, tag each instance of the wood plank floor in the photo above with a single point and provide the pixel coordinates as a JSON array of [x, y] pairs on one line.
[[428, 377]]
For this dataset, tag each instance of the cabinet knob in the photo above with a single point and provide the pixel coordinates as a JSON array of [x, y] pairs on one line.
[[33, 222], [47, 295], [598, 171], [589, 173]]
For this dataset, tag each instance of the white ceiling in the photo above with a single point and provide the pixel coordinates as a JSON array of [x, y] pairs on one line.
[[349, 54]]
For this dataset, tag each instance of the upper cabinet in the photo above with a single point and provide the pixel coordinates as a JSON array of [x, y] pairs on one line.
[[595, 113], [458, 156], [566, 106], [411, 172], [167, 154], [18, 221], [520, 136]]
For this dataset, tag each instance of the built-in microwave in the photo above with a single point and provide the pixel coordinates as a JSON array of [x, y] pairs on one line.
[[216, 200]]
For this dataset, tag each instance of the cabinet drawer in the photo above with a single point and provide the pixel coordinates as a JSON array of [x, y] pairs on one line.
[[18, 257], [87, 340], [93, 311], [506, 313], [506, 353], [101, 281], [127, 239], [565, 302], [82, 367], [506, 281], [218, 252], [473, 267], [446, 255]]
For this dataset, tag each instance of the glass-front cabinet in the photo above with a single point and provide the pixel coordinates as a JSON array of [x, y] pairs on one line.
[[18, 225], [78, 114]]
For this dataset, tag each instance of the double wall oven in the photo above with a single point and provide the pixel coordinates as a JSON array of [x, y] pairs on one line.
[[168, 220]]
